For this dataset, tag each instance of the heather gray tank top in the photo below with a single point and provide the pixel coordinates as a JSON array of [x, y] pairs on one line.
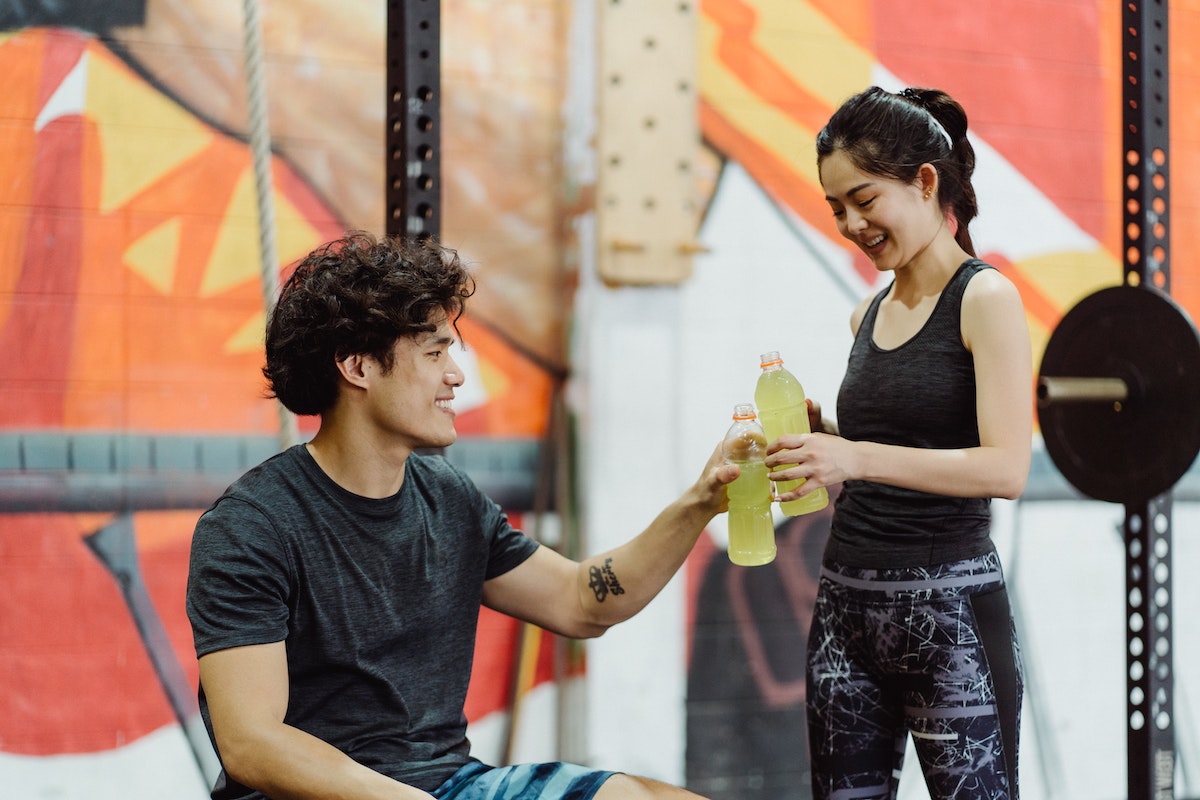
[[920, 394]]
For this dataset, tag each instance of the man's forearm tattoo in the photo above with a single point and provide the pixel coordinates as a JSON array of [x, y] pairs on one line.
[[603, 581]]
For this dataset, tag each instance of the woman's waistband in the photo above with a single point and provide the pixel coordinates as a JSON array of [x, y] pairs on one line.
[[950, 579]]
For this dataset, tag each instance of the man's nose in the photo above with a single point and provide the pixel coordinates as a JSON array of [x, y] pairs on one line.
[[454, 374]]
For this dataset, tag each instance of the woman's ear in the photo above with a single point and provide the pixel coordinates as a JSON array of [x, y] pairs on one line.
[[927, 180]]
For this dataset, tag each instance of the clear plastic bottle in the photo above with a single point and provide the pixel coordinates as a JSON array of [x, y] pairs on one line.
[[781, 408], [751, 528]]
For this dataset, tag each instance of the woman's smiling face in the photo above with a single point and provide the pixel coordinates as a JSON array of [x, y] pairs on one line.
[[891, 221]]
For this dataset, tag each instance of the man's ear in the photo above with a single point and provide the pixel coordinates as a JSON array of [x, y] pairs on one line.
[[351, 368]]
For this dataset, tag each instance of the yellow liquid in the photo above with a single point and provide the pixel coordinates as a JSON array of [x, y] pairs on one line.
[[781, 409], [751, 528]]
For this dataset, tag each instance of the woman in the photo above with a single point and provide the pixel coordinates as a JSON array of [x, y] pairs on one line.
[[912, 630]]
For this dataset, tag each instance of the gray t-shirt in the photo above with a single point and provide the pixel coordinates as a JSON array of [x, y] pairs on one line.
[[377, 601]]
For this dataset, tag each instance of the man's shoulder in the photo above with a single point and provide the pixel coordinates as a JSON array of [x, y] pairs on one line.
[[268, 471], [434, 470], [269, 482]]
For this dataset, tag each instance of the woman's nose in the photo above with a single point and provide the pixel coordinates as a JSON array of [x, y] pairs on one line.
[[854, 221]]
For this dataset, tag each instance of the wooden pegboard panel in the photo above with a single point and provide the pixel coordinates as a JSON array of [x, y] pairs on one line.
[[647, 140]]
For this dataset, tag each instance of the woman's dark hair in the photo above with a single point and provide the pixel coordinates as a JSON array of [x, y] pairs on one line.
[[892, 135], [356, 295]]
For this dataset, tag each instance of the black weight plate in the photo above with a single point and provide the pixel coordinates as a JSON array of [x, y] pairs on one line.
[[1138, 449]]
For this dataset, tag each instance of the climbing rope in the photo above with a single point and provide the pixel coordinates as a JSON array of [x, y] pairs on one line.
[[260, 148]]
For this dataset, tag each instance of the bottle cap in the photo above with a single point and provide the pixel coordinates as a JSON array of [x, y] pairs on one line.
[[770, 358], [744, 411]]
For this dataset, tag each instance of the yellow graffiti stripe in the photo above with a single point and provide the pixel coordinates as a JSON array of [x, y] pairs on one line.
[[155, 254], [1052, 284], [777, 82], [810, 46], [235, 258], [790, 144], [249, 337], [1065, 277], [143, 135]]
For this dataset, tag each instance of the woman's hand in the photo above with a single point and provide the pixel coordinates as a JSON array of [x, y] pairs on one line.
[[815, 423], [819, 459]]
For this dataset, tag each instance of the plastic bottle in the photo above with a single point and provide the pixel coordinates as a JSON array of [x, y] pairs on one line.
[[751, 528], [781, 408]]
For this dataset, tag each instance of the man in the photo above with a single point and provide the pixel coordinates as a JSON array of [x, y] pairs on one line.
[[334, 589]]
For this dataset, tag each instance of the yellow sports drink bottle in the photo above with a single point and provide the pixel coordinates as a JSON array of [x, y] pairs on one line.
[[782, 409], [751, 528]]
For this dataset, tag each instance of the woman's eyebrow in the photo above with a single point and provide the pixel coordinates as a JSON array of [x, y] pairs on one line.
[[855, 190]]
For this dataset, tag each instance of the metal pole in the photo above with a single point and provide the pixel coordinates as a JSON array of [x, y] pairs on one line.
[[413, 162], [1150, 676]]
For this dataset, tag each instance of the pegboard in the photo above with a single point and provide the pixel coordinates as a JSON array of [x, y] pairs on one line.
[[647, 207]]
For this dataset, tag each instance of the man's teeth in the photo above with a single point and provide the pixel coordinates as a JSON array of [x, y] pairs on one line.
[[446, 404]]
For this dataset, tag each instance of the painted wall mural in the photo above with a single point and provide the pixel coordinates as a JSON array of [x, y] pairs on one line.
[[132, 311], [131, 306]]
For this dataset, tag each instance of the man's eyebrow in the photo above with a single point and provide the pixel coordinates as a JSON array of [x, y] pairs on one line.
[[428, 338]]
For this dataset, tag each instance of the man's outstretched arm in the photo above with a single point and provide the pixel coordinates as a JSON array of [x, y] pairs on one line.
[[584, 599]]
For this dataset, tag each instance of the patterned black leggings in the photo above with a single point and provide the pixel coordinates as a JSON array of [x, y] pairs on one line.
[[930, 652]]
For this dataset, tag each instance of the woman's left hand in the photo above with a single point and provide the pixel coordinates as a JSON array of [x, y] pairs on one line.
[[818, 459]]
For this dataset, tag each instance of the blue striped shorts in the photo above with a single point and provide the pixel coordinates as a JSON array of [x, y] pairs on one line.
[[554, 780]]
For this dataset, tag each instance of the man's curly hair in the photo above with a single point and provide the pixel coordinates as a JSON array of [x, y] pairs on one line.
[[356, 296]]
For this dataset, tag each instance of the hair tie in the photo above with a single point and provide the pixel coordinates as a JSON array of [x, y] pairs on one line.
[[916, 98]]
